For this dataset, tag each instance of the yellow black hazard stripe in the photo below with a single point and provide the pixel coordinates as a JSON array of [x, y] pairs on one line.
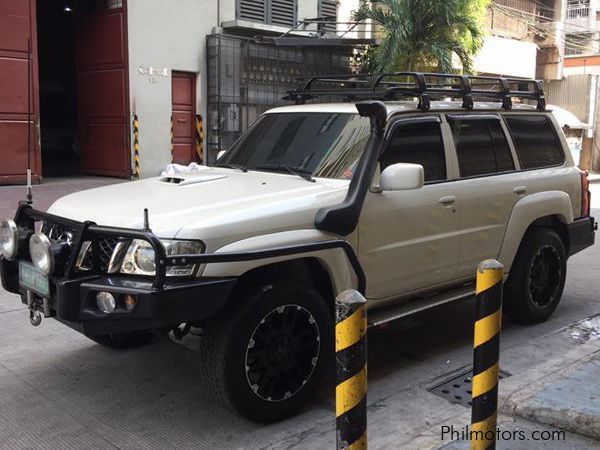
[[199, 139], [351, 376], [172, 143], [486, 355], [136, 147]]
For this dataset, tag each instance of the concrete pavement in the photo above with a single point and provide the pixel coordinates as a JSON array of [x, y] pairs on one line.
[[60, 390]]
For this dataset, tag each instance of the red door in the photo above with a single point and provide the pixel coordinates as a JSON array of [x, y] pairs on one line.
[[184, 117], [17, 26], [102, 91]]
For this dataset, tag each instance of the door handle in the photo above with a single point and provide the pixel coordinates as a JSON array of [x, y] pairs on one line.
[[447, 201], [520, 190]]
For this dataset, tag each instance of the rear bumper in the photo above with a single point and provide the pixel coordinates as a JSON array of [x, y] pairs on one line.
[[582, 234], [73, 301]]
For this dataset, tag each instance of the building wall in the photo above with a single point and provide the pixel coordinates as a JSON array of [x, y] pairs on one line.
[[163, 38], [508, 57]]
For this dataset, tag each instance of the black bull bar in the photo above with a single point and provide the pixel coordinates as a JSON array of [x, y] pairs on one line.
[[26, 217]]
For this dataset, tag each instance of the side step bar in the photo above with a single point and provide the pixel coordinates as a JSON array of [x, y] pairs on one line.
[[383, 315]]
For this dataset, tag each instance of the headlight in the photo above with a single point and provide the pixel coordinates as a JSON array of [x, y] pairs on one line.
[[40, 250], [139, 258], [9, 235]]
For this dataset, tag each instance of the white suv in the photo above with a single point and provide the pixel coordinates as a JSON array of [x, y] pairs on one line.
[[397, 199]]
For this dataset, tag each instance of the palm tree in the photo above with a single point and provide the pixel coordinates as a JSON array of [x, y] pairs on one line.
[[424, 34]]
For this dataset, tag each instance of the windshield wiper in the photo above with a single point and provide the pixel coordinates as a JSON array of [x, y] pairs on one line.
[[233, 166], [291, 170]]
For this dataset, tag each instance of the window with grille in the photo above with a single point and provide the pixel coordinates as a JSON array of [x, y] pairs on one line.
[[271, 12]]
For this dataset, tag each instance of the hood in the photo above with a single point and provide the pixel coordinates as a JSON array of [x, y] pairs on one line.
[[181, 204]]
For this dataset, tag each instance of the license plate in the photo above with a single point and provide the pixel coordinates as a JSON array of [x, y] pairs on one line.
[[33, 279]]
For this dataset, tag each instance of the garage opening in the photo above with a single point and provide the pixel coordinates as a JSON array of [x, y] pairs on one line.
[[59, 134], [83, 90]]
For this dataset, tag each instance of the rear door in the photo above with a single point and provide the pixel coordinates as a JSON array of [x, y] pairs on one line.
[[489, 185], [408, 240], [184, 117]]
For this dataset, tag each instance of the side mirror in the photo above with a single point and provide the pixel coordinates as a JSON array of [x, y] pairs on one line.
[[221, 153], [402, 176]]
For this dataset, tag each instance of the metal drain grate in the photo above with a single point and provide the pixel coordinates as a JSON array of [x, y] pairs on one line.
[[458, 388]]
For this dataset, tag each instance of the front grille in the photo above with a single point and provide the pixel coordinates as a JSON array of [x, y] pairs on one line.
[[106, 247], [58, 233]]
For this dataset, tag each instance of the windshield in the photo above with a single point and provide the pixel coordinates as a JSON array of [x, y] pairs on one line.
[[321, 144]]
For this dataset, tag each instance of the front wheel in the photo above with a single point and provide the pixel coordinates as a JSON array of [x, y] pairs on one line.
[[266, 358], [537, 277]]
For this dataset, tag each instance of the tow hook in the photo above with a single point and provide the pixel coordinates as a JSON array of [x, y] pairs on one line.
[[38, 309]]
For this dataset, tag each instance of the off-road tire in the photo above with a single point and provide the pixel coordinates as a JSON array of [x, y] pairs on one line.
[[125, 340], [226, 345], [530, 295]]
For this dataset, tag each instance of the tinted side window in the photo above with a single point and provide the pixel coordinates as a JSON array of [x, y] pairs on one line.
[[535, 140], [481, 147], [417, 143]]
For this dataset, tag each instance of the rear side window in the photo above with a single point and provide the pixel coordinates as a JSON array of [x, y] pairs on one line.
[[535, 140], [481, 147], [417, 143]]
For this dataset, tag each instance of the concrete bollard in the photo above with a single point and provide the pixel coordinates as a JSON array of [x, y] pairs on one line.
[[486, 355], [351, 370]]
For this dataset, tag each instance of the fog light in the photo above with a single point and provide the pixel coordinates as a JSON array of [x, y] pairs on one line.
[[8, 239], [106, 302], [40, 250], [129, 302]]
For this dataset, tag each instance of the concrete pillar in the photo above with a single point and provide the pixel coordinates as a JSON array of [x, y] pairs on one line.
[[585, 157]]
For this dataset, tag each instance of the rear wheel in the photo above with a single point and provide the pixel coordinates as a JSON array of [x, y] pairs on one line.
[[266, 359], [125, 340], [537, 277]]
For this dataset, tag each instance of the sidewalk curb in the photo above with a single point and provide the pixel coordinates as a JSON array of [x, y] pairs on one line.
[[517, 394]]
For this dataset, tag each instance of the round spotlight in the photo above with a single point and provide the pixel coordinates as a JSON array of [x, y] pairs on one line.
[[40, 250], [106, 302], [9, 235]]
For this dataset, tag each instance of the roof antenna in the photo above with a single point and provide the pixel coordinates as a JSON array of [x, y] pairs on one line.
[[29, 190], [146, 220]]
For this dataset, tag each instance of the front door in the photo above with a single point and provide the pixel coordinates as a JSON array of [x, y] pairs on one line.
[[184, 117], [408, 240]]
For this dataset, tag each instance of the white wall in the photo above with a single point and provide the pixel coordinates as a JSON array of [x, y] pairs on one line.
[[166, 35], [509, 57]]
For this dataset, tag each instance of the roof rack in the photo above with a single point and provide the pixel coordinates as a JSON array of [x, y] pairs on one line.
[[424, 86]]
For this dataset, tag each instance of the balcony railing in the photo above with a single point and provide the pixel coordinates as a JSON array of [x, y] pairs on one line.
[[578, 12]]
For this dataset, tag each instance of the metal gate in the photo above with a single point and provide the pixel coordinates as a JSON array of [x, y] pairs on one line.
[[245, 79], [17, 30]]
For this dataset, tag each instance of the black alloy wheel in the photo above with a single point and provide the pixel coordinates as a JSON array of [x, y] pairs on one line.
[[537, 277], [545, 276], [282, 352], [265, 357]]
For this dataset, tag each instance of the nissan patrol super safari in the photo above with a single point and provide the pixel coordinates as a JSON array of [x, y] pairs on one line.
[[400, 199]]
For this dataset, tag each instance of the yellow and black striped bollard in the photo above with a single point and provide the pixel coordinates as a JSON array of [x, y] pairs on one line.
[[172, 144], [486, 355], [136, 146], [351, 370], [199, 139]]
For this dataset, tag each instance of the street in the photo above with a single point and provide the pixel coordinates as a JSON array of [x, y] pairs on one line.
[[58, 389]]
